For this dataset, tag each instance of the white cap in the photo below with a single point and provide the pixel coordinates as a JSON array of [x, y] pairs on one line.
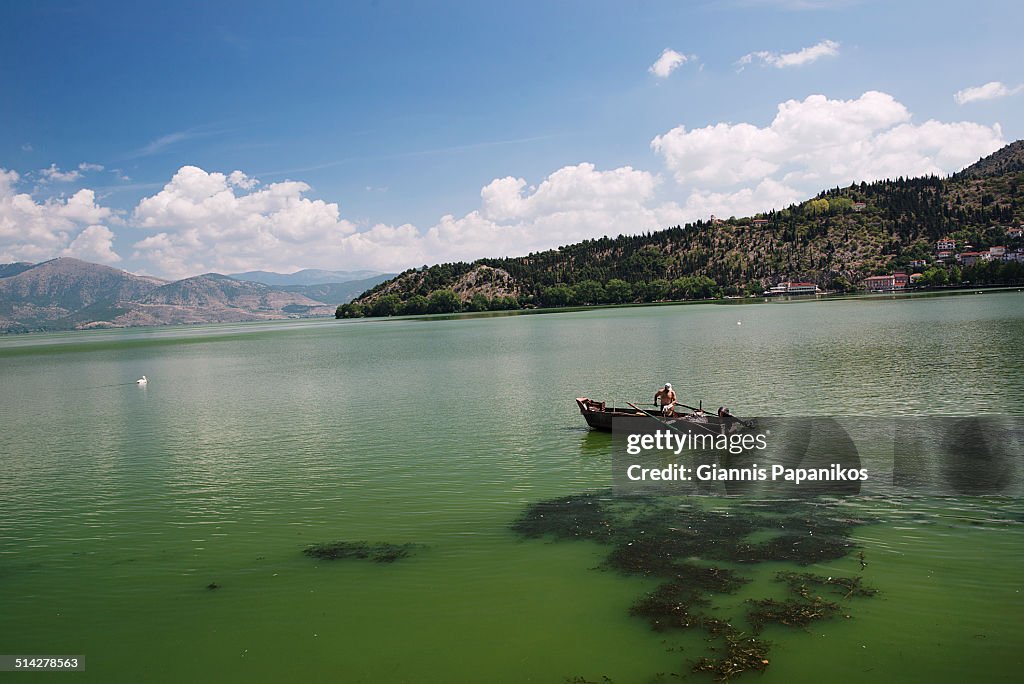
[[668, 385]]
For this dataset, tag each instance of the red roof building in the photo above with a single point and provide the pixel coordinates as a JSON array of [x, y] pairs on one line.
[[887, 283]]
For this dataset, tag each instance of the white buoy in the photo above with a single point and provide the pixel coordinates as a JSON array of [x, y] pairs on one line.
[[142, 381], [739, 322]]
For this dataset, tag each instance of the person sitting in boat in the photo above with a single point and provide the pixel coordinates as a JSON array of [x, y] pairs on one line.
[[723, 412], [666, 396]]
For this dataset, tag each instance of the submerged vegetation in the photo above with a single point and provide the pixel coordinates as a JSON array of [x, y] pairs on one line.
[[379, 552], [699, 553]]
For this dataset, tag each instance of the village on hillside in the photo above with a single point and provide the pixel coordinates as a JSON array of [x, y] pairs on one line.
[[946, 256]]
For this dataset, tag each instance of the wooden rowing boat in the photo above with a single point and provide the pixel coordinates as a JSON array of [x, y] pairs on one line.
[[599, 417]]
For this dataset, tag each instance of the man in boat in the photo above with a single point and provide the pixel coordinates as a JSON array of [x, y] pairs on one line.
[[666, 396]]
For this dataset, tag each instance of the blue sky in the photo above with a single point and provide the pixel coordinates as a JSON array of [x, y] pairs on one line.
[[391, 134]]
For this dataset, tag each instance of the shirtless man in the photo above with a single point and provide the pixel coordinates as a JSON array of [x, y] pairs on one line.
[[667, 397]]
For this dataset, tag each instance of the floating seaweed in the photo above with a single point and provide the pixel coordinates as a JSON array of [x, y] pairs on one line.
[[378, 552], [794, 612], [799, 582], [671, 606], [742, 653], [802, 549], [582, 516], [679, 540], [650, 556]]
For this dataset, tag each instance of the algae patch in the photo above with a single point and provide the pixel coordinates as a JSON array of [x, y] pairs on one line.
[[378, 552], [699, 548]]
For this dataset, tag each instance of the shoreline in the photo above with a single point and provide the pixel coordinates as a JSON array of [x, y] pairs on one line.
[[278, 324]]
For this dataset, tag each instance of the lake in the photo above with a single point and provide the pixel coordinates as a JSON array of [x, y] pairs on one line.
[[120, 505]]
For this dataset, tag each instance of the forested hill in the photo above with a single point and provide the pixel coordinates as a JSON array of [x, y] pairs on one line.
[[834, 240]]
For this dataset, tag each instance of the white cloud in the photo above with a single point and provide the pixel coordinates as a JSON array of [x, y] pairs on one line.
[[81, 208], [95, 243], [32, 230], [206, 222], [817, 143], [571, 188], [240, 180], [213, 221], [992, 90], [86, 166], [768, 194], [826, 48], [669, 61], [574, 203], [56, 175], [163, 142]]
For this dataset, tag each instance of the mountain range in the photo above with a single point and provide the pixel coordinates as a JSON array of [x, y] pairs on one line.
[[67, 293], [308, 276]]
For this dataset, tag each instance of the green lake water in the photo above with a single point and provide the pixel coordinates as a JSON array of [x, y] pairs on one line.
[[120, 504]]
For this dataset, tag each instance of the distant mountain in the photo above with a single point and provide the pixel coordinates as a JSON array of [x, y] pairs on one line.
[[834, 240], [51, 293], [338, 293], [307, 276], [67, 293]]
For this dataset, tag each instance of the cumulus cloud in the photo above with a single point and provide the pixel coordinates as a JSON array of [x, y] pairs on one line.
[[95, 243], [573, 203], [81, 208], [240, 180], [213, 221], [826, 48], [54, 174], [766, 195], [32, 230], [993, 90], [669, 61], [817, 143], [209, 221]]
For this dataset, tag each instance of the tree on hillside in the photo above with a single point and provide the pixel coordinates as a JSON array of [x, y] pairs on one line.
[[416, 305], [388, 305], [478, 302], [558, 295], [589, 292], [618, 291], [444, 301]]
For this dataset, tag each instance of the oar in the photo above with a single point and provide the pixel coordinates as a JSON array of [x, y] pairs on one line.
[[650, 415], [656, 418], [664, 422]]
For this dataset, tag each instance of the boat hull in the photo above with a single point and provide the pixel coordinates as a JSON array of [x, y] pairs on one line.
[[600, 417]]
